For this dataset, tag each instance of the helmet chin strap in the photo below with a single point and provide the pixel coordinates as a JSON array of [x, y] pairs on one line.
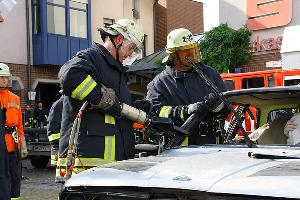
[[117, 48]]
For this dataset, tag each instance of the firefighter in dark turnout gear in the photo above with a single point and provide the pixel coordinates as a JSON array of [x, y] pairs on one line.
[[28, 119], [4, 164], [175, 91], [53, 129], [97, 75]]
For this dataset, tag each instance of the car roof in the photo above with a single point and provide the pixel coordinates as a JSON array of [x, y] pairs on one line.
[[259, 97]]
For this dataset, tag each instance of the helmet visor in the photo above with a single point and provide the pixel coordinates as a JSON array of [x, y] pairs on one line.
[[130, 52]]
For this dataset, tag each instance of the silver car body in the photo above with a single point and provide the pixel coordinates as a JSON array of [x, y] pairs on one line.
[[213, 169]]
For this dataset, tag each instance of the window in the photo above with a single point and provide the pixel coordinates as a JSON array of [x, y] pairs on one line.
[[292, 82], [78, 18], [271, 81], [255, 82], [229, 84], [56, 17], [136, 9], [108, 22], [36, 16]]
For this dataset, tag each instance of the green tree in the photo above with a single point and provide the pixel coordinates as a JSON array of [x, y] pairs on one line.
[[225, 48]]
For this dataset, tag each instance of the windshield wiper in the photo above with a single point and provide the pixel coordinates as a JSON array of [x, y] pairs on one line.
[[270, 156]]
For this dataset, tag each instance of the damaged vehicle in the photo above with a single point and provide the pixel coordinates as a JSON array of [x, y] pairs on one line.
[[270, 169]]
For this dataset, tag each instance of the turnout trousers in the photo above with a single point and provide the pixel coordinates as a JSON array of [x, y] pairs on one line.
[[15, 171]]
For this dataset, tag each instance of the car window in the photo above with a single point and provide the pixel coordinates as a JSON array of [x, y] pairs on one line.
[[229, 84], [291, 82], [254, 82], [271, 81]]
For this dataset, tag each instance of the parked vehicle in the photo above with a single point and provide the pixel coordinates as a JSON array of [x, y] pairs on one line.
[[38, 146], [268, 78], [228, 171]]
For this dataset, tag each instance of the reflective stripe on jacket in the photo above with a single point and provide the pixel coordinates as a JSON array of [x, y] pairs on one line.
[[81, 79], [173, 88], [83, 163], [54, 119], [11, 102]]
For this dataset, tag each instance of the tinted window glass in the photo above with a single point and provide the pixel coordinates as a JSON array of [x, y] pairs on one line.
[[229, 84], [291, 82], [271, 81], [255, 82]]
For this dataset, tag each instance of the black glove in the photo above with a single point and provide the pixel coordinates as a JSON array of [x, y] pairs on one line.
[[217, 106], [214, 103], [144, 105], [115, 109]]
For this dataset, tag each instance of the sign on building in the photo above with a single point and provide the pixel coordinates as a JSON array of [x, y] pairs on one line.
[[274, 64], [268, 13]]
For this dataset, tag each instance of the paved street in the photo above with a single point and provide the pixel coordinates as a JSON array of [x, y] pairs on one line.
[[39, 183]]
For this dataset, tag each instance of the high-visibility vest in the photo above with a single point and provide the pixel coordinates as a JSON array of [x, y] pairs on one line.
[[11, 102]]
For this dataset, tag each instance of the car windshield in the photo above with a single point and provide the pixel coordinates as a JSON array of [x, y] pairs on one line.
[[269, 115]]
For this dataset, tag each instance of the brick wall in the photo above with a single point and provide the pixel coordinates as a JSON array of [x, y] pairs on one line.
[[185, 14], [172, 14], [258, 61], [161, 24], [37, 72]]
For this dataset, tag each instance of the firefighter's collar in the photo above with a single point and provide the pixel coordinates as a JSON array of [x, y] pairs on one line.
[[108, 57], [177, 74]]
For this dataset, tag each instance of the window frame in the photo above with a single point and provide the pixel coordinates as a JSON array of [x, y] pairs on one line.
[[66, 18], [82, 10]]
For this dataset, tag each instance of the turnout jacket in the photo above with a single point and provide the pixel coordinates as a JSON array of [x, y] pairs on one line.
[[173, 88], [4, 163], [53, 130], [102, 138]]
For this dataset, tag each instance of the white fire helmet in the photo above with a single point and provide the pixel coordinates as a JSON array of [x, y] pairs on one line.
[[129, 29], [180, 39], [4, 70]]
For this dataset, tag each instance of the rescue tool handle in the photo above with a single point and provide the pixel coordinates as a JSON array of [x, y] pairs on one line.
[[219, 93]]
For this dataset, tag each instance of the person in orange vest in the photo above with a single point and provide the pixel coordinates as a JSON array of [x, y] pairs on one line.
[[13, 133]]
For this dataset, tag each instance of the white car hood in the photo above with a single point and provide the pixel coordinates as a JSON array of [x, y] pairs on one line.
[[210, 169]]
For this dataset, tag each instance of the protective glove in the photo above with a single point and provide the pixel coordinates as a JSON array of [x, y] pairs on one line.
[[24, 151], [214, 103], [289, 127], [144, 105], [198, 107], [109, 102]]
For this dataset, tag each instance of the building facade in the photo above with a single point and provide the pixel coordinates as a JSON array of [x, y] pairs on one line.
[[170, 14], [39, 36], [265, 18]]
